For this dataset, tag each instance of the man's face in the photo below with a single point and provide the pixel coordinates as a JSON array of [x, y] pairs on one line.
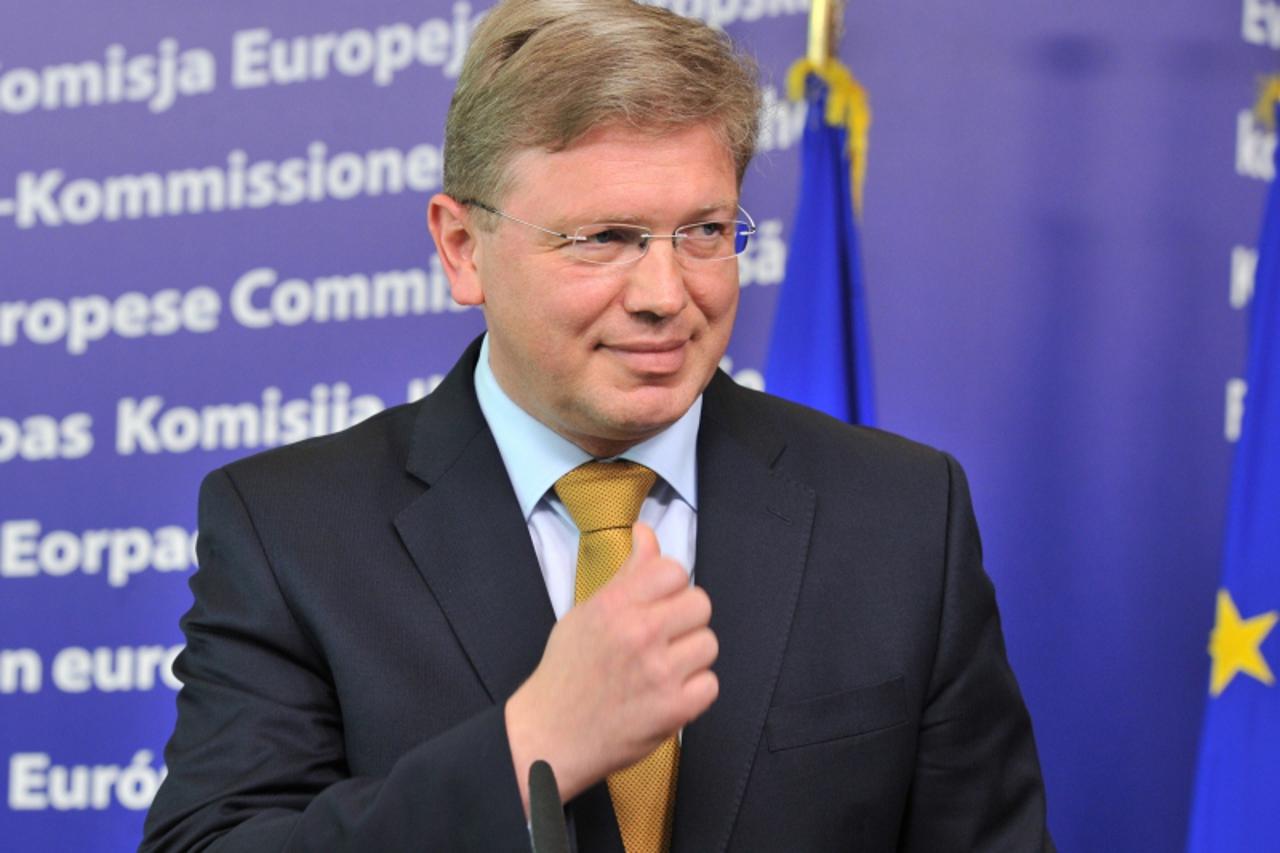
[[609, 355]]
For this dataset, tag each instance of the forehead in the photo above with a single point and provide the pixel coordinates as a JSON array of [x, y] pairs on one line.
[[616, 172]]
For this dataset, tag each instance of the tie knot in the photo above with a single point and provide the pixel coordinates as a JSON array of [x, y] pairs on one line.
[[603, 495]]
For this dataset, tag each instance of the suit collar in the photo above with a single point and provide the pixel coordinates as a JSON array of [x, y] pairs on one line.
[[448, 419]]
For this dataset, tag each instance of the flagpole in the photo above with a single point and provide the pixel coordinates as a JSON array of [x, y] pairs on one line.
[[825, 20]]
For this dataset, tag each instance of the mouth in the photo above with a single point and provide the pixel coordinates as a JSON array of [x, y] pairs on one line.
[[650, 357]]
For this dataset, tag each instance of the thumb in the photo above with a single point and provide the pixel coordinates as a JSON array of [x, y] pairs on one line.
[[644, 544]]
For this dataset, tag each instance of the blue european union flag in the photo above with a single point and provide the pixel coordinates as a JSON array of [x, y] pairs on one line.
[[1237, 796], [819, 354]]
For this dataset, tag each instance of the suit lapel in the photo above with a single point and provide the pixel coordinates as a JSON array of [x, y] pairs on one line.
[[753, 537], [469, 540]]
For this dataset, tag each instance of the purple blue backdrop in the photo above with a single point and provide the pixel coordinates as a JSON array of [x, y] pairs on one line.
[[211, 239]]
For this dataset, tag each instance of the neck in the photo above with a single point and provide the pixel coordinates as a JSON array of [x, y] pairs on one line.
[[601, 448]]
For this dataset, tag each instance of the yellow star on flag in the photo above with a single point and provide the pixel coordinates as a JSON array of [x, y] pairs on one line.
[[1235, 645]]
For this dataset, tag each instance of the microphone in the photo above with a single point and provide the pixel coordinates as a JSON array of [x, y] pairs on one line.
[[546, 812]]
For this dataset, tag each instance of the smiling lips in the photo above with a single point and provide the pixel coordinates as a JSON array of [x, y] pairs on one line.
[[652, 357]]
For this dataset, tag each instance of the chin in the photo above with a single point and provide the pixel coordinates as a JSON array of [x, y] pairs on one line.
[[651, 410]]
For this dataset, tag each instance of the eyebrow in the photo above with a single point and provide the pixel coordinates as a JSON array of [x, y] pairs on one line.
[[696, 215]]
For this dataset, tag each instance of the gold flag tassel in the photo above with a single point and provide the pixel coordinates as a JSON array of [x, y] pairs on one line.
[[1268, 93], [847, 106]]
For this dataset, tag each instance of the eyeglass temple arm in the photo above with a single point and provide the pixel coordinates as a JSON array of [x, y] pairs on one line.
[[572, 238]]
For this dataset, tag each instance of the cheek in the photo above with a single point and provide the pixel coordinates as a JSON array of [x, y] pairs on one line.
[[543, 302], [560, 331], [578, 307], [718, 300]]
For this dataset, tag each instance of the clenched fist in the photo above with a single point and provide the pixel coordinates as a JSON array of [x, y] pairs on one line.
[[621, 672]]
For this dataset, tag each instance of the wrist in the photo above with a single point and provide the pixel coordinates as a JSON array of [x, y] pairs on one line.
[[531, 738]]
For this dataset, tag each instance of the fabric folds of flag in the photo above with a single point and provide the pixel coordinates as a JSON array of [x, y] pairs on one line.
[[1237, 789], [819, 353]]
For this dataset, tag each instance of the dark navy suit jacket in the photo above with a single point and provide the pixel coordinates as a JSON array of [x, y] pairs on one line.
[[367, 601]]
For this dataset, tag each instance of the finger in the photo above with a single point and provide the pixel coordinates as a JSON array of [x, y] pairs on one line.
[[646, 574], [698, 693], [654, 580], [693, 653], [685, 611], [644, 543]]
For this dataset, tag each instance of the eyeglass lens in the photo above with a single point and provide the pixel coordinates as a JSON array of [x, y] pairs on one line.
[[609, 243]]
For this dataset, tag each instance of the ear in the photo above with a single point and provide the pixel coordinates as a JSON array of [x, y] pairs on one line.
[[456, 239]]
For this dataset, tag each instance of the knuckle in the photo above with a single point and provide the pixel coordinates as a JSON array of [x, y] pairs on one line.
[[627, 633], [712, 646], [670, 573], [676, 717], [637, 632], [701, 604], [698, 695], [650, 629], [657, 670]]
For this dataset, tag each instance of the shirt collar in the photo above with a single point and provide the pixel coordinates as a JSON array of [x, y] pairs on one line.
[[536, 456]]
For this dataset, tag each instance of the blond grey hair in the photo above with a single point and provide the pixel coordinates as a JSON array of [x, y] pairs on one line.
[[543, 73]]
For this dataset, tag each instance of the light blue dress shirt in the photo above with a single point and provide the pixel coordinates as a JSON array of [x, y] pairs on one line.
[[536, 456]]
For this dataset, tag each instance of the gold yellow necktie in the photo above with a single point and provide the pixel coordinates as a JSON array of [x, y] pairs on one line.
[[604, 499]]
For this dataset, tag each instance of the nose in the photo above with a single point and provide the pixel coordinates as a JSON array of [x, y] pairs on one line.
[[655, 283]]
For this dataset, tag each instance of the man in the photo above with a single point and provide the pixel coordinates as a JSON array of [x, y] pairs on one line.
[[391, 624]]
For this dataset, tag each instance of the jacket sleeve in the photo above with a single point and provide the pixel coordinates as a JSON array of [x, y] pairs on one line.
[[257, 759], [977, 782]]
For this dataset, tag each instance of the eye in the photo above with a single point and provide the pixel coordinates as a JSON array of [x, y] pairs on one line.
[[609, 235], [604, 236], [707, 230]]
